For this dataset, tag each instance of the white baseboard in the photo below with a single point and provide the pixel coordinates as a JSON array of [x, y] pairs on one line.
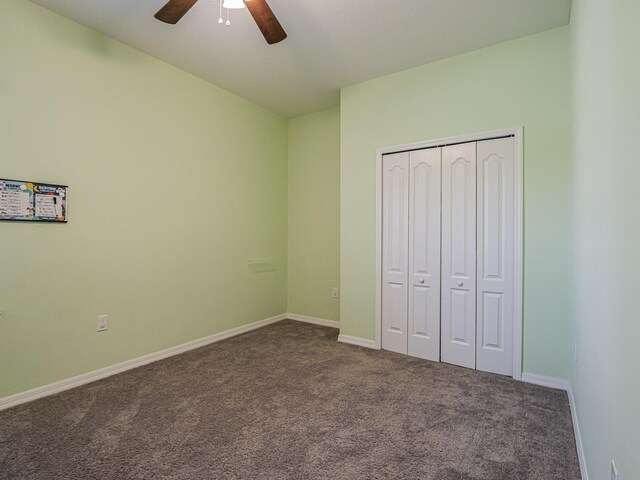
[[62, 385], [317, 321], [361, 342], [83, 379], [542, 380], [565, 385], [576, 431]]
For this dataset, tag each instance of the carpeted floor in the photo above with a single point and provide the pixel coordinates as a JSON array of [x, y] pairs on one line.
[[290, 402]]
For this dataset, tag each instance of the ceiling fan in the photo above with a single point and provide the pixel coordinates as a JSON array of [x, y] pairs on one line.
[[267, 22]]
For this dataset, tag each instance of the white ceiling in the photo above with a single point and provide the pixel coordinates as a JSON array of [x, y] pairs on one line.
[[331, 44]]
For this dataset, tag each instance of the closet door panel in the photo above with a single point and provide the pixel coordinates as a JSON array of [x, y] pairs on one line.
[[458, 342], [395, 251], [424, 254], [496, 230]]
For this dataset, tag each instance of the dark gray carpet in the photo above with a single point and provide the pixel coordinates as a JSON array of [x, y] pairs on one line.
[[290, 402]]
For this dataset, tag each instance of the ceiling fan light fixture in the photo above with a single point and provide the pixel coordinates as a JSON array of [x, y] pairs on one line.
[[262, 14], [233, 4]]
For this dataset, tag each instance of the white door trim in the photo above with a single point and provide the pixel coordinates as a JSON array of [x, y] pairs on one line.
[[517, 133]]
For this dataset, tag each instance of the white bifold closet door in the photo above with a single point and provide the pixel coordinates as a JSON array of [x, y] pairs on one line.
[[424, 254], [448, 253], [395, 251], [459, 255], [411, 253], [496, 247]]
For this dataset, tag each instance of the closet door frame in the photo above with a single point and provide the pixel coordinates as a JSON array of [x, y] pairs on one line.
[[517, 134]]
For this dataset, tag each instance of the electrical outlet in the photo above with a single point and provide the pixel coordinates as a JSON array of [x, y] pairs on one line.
[[334, 292], [614, 471], [103, 323]]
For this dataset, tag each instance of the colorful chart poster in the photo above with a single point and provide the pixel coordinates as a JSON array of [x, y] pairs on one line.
[[32, 201]]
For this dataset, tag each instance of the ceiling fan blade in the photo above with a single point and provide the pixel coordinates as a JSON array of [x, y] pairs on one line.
[[266, 20], [174, 10]]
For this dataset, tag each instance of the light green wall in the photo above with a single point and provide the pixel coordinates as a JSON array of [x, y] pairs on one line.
[[523, 82], [606, 232], [314, 214], [174, 184]]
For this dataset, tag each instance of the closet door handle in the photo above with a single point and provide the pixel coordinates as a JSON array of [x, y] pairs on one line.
[[421, 280], [460, 283]]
